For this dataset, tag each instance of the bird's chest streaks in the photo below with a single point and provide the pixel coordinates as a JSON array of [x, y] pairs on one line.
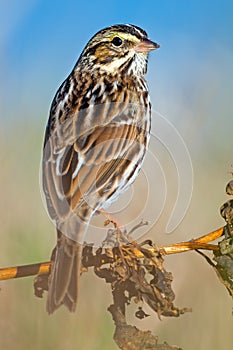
[[107, 125], [108, 101]]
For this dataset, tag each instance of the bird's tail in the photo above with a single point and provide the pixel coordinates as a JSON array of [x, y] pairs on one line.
[[65, 274]]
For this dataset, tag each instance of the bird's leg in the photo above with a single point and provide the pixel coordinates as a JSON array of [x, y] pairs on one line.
[[111, 219], [121, 233]]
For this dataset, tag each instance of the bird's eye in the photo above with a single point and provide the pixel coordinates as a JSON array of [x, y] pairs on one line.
[[117, 41]]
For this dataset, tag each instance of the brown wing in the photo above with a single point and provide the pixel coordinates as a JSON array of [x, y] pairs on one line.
[[69, 179], [85, 155]]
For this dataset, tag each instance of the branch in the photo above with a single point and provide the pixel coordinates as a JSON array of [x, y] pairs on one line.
[[25, 270], [44, 267]]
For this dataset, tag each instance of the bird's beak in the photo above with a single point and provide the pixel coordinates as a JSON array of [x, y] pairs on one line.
[[146, 45]]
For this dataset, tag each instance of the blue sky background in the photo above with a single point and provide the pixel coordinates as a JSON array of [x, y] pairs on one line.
[[41, 40], [190, 77]]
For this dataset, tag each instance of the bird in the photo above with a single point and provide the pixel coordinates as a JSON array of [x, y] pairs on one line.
[[95, 142]]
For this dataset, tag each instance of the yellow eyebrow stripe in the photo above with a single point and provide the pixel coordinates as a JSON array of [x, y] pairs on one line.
[[125, 36]]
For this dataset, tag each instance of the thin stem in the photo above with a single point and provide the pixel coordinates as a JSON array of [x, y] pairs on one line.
[[44, 267]]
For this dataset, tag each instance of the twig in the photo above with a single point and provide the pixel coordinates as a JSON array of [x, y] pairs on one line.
[[44, 267], [186, 246], [210, 236], [25, 270]]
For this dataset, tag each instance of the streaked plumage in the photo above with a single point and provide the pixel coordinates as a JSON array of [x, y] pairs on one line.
[[95, 143]]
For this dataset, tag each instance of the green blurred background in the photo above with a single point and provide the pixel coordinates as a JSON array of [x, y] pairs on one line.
[[191, 83]]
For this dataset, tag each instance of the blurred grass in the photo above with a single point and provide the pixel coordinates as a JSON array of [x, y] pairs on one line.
[[28, 236]]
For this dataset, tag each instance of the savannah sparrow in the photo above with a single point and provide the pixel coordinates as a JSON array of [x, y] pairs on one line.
[[95, 142]]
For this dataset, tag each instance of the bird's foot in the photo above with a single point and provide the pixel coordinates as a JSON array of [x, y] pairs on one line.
[[111, 219]]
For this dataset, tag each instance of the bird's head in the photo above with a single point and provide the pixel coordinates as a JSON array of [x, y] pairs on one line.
[[119, 49]]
